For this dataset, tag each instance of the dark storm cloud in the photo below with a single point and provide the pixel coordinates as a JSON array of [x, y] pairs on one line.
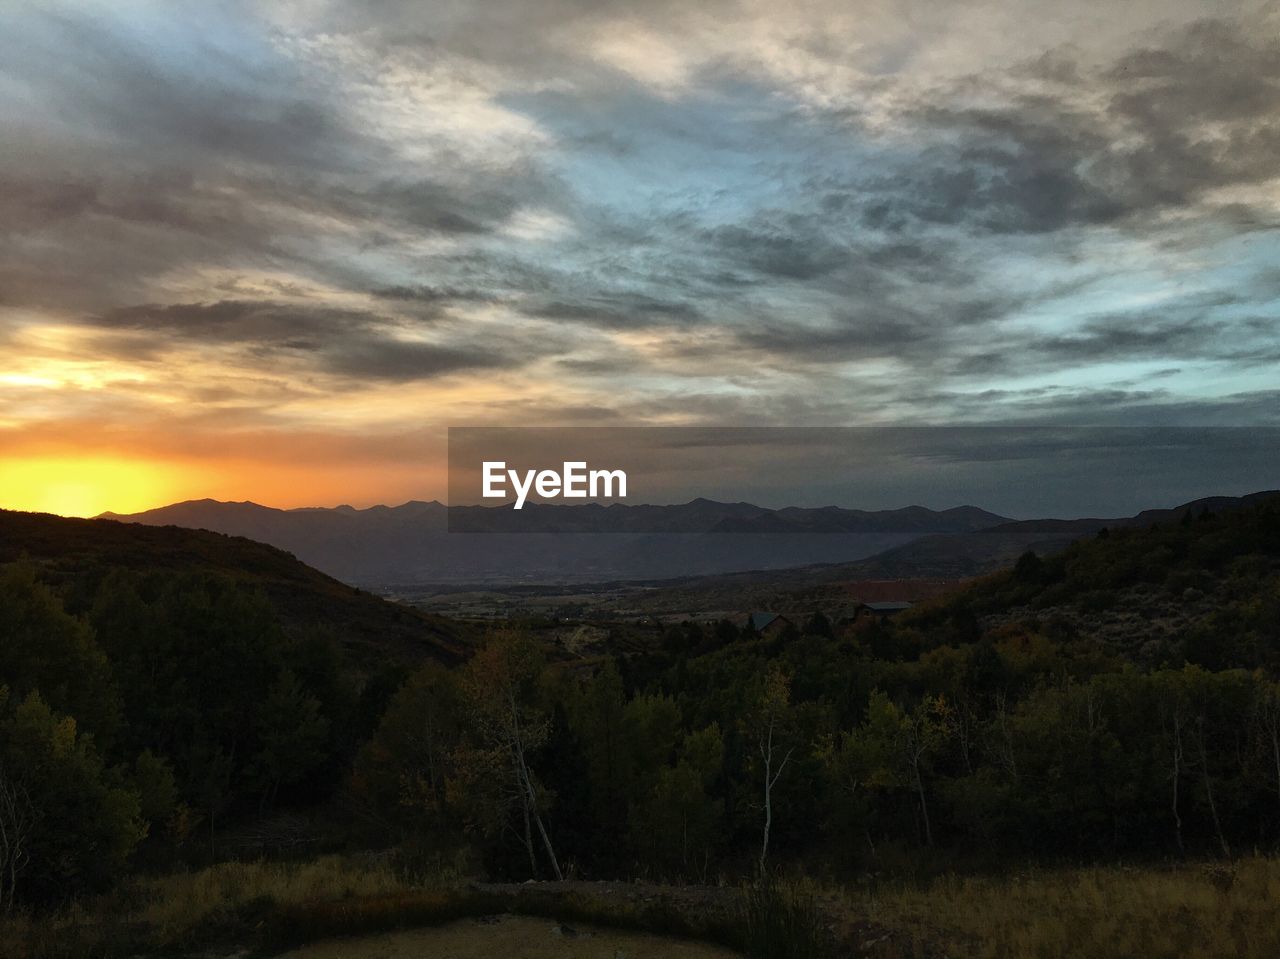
[[1014, 171], [431, 296], [869, 333], [349, 343], [894, 314], [222, 96], [1048, 160], [620, 310], [474, 205], [387, 359], [229, 321], [1082, 406], [1180, 329], [152, 144], [1175, 123], [790, 251]]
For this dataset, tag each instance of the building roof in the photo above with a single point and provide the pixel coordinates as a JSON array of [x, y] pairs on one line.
[[761, 620], [888, 607]]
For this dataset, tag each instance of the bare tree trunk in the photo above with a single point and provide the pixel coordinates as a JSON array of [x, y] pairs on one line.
[[768, 822], [546, 843], [924, 806], [528, 829], [1208, 789], [767, 753], [916, 744], [17, 821], [530, 794], [770, 780]]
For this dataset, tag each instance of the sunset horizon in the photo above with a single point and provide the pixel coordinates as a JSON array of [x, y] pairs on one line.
[[275, 256], [559, 479]]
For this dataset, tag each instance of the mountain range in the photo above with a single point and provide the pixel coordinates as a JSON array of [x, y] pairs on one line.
[[413, 543]]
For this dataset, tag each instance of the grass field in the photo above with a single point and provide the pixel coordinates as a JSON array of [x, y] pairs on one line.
[[1207, 911]]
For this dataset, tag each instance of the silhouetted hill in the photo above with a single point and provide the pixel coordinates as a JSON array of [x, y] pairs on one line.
[[75, 553], [992, 548]]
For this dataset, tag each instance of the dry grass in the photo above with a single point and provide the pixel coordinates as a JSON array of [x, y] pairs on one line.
[[164, 915], [1205, 911], [179, 902], [1202, 911], [270, 907]]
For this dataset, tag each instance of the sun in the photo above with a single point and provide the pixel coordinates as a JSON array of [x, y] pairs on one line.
[[84, 486]]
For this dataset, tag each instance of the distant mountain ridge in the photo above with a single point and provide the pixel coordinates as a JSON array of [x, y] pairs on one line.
[[411, 543], [696, 516]]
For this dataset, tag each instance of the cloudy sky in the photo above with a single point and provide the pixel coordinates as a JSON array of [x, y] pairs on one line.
[[270, 250]]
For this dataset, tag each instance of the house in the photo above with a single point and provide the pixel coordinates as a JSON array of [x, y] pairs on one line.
[[768, 624]]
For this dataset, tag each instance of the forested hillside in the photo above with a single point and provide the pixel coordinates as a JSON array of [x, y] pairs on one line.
[[155, 682], [143, 708], [75, 555], [961, 731]]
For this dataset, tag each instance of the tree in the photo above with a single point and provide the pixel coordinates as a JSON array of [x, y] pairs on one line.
[[401, 775], [895, 748], [676, 822], [44, 649], [1207, 690], [17, 823], [1267, 720], [1029, 568], [88, 822], [210, 771], [1174, 711], [500, 686], [293, 737], [600, 716], [818, 625], [772, 723], [923, 729]]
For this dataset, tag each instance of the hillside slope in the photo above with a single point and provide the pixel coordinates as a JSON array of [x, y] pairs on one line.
[[75, 552], [1193, 584], [986, 550]]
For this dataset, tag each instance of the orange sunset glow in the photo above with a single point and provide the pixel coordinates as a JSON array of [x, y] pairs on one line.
[[91, 485], [71, 486]]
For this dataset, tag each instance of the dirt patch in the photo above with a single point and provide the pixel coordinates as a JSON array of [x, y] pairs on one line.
[[511, 937]]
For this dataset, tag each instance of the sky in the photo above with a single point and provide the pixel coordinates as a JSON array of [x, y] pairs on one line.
[[272, 250]]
